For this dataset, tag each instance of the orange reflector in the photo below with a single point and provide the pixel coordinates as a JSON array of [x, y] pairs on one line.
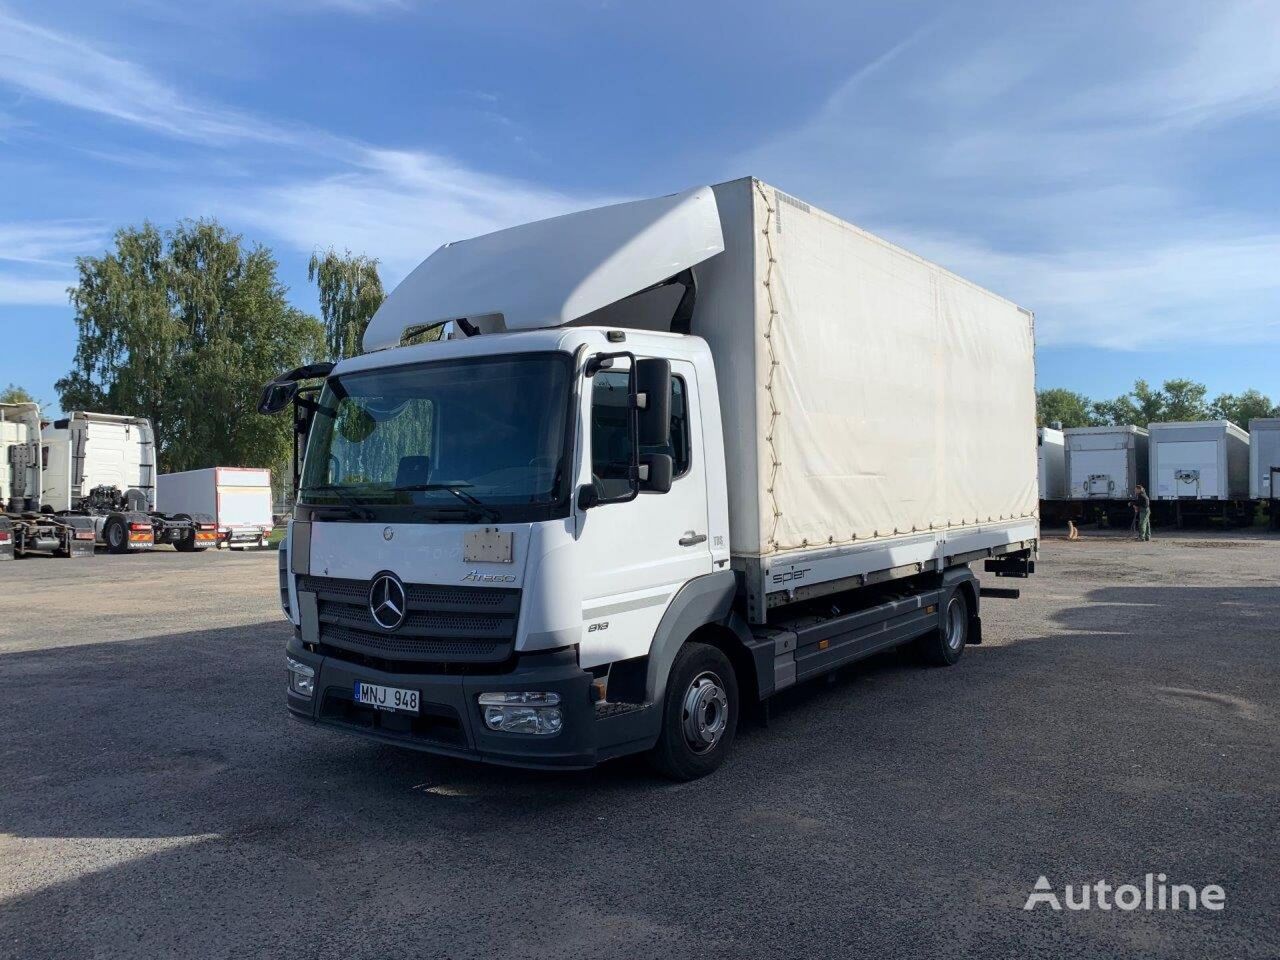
[[823, 644], [140, 538], [931, 608]]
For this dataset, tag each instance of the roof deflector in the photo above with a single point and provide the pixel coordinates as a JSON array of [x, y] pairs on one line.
[[552, 272]]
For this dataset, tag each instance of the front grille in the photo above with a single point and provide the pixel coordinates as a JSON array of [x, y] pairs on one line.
[[443, 624]]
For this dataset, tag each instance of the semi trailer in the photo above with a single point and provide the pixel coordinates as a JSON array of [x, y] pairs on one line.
[[100, 468], [1104, 466], [1264, 465], [24, 528], [1199, 470], [666, 459], [238, 499]]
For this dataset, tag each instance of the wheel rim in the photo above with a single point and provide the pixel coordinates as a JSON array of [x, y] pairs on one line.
[[955, 625], [116, 535], [706, 712]]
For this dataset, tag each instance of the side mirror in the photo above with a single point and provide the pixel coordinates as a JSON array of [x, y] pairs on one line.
[[587, 497], [653, 380], [655, 472], [276, 396]]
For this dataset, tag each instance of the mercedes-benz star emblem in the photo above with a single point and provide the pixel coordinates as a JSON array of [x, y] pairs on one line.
[[388, 533], [387, 601]]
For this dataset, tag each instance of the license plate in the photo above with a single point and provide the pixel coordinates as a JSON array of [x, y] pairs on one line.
[[386, 698]]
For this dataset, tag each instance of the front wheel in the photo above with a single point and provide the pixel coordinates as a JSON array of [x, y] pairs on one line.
[[944, 646], [699, 714]]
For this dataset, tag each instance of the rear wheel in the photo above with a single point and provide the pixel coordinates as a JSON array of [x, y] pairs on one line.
[[116, 534], [699, 713], [944, 646], [187, 542]]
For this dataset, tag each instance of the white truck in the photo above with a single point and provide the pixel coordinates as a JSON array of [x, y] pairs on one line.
[[1264, 464], [101, 467], [1200, 469], [238, 499], [1051, 463], [24, 528], [669, 458]]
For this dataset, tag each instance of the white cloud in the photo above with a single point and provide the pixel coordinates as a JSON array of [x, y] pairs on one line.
[[18, 290], [398, 206], [1056, 163], [56, 67], [53, 242]]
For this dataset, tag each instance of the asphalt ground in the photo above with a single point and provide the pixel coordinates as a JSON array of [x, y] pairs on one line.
[[1120, 719]]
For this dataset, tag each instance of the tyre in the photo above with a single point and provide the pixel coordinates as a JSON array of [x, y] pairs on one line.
[[943, 647], [699, 714], [116, 534], [187, 543]]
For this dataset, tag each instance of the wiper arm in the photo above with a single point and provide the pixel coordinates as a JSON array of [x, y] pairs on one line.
[[357, 509], [458, 489]]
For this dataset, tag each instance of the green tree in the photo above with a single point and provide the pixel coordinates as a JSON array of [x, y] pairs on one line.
[[350, 293], [1185, 400], [1243, 407], [16, 394], [184, 328], [1059, 405]]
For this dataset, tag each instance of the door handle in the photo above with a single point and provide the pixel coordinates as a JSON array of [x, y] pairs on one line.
[[691, 539]]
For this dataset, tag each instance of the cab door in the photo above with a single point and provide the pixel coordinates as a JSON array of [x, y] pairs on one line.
[[637, 555]]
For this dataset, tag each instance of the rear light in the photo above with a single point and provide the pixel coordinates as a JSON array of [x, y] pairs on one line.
[[84, 534], [208, 526], [139, 526], [4, 536]]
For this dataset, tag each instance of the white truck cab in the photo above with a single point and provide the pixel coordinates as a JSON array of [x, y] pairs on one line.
[[558, 534]]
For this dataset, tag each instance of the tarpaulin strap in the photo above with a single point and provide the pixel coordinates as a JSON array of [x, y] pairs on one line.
[[774, 412]]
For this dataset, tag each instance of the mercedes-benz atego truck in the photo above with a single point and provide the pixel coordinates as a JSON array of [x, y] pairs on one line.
[[661, 461]]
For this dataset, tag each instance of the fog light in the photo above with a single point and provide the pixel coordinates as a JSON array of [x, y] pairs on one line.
[[522, 711], [302, 678]]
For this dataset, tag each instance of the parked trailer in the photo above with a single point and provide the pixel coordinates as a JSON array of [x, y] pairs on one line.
[[24, 528], [238, 499], [1104, 465], [1200, 470], [101, 466], [1264, 465], [672, 457]]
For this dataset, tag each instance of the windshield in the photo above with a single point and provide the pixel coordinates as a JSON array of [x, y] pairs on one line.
[[461, 440]]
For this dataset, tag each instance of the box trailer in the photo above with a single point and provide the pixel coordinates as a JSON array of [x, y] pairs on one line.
[[238, 499], [1264, 464], [665, 459], [24, 528], [1104, 465], [101, 466], [1200, 469], [1051, 463]]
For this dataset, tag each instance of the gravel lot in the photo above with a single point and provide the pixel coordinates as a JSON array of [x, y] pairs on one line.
[[1120, 719]]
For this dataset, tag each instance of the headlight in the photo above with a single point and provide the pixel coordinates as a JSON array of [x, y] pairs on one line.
[[302, 678], [522, 711]]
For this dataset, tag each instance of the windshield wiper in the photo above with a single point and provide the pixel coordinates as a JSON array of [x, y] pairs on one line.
[[354, 506], [457, 488]]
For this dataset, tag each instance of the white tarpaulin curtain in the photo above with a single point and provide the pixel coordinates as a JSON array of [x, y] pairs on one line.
[[893, 396]]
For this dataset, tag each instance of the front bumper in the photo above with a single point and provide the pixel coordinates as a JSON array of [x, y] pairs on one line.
[[450, 721]]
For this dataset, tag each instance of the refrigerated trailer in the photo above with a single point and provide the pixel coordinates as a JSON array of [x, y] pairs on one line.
[[1104, 466], [1264, 464], [1200, 469], [238, 499], [101, 467], [667, 459], [24, 528]]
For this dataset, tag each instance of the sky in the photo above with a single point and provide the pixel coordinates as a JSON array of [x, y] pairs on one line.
[[1111, 166]]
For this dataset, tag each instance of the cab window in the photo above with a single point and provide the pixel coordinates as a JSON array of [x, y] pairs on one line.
[[611, 438]]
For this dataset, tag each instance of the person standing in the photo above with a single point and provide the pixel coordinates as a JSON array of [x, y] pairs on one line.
[[1143, 504]]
